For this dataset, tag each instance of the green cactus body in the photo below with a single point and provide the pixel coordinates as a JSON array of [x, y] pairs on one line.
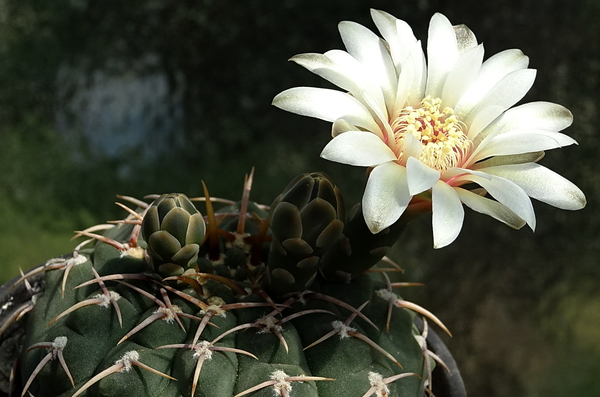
[[219, 322]]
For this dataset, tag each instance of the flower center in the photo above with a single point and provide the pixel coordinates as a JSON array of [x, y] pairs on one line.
[[440, 132]]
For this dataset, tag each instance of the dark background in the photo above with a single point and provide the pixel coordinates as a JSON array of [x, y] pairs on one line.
[[106, 97]]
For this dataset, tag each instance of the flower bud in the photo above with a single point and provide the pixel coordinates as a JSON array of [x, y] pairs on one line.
[[305, 220], [173, 230]]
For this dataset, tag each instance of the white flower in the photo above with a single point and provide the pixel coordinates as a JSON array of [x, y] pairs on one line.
[[430, 130]]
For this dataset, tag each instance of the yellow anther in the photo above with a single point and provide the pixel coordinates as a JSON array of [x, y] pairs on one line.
[[440, 132]]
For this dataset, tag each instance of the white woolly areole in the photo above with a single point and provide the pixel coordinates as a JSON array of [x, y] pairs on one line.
[[203, 349], [215, 301], [301, 298], [220, 261], [342, 328], [136, 252], [170, 314], [76, 260], [239, 242], [57, 345], [72, 261], [387, 295], [215, 309], [376, 381], [126, 360], [282, 384], [270, 323], [214, 305], [7, 305], [105, 299]]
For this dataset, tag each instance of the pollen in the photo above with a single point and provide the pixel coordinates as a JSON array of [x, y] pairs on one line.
[[439, 131]]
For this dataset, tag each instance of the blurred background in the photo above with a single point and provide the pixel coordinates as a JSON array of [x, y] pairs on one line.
[[107, 97]]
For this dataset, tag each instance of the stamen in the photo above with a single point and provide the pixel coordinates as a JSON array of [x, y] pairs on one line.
[[439, 130]]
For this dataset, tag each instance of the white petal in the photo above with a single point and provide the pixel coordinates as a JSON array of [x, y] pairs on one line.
[[340, 126], [360, 78], [412, 148], [542, 184], [492, 71], [397, 33], [483, 116], [465, 38], [412, 78], [345, 76], [368, 48], [490, 207], [516, 142], [386, 24], [457, 173], [533, 157], [543, 115], [479, 143], [325, 104], [442, 53], [448, 214], [420, 177], [380, 114], [358, 148], [506, 192], [503, 95], [462, 75], [386, 196]]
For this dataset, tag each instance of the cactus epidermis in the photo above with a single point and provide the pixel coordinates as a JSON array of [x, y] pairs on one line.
[[118, 321]]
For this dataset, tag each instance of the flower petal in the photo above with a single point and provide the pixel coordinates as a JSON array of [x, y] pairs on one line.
[[506, 192], [442, 53], [542, 184], [412, 148], [516, 142], [532, 157], [340, 126], [492, 71], [369, 50], [503, 95], [346, 75], [328, 69], [397, 33], [343, 70], [386, 196], [539, 115], [462, 75], [325, 104], [448, 214], [412, 78], [420, 177], [358, 148], [490, 207], [465, 38]]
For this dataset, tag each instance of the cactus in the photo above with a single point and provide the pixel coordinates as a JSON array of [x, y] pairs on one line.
[[246, 300], [285, 300]]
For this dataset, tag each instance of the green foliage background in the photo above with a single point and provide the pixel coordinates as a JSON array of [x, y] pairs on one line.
[[524, 308]]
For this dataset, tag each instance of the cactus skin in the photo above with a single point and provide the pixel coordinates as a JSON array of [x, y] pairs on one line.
[[228, 298]]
